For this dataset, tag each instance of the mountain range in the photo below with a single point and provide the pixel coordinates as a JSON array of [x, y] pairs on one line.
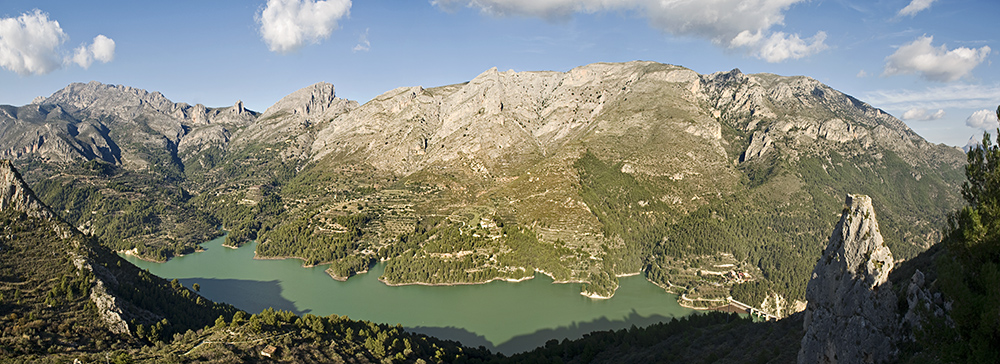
[[714, 186]]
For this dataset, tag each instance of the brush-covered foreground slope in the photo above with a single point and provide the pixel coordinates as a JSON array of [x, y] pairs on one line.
[[714, 185]]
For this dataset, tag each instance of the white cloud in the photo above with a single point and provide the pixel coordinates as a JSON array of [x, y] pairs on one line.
[[960, 96], [32, 44], [780, 46], [29, 44], [922, 114], [363, 44], [742, 24], [934, 63], [862, 74], [102, 49], [287, 25], [915, 7], [983, 120]]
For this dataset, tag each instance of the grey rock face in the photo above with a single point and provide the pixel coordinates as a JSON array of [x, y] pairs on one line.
[[851, 314], [294, 119], [15, 194], [108, 306], [921, 302], [759, 144]]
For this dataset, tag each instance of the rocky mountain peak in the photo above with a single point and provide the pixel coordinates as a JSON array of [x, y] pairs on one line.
[[851, 313], [306, 102], [96, 95], [15, 194]]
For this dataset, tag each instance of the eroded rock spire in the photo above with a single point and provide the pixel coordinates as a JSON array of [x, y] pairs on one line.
[[851, 315]]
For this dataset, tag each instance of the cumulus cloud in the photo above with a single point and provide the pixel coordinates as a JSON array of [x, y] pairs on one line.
[[983, 120], [915, 7], [102, 49], [922, 114], [862, 74], [780, 46], [742, 24], [31, 44], [287, 25], [934, 63]]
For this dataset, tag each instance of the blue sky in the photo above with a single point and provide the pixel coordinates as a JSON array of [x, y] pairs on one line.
[[930, 64]]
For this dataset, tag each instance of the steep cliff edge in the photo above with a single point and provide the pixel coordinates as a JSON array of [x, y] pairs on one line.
[[15, 194], [851, 316]]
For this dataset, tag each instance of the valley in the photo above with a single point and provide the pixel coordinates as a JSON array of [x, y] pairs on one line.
[[604, 171], [504, 317]]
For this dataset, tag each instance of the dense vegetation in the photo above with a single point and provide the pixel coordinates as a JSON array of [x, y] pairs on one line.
[[128, 210], [440, 252], [969, 270], [708, 338], [778, 224], [44, 297]]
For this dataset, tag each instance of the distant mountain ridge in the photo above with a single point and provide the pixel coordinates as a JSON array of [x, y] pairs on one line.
[[585, 175]]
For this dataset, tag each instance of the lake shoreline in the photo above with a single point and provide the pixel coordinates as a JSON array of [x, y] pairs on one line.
[[468, 311], [304, 265], [135, 253], [512, 280]]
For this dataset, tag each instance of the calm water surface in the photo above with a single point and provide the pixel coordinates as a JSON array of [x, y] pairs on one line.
[[502, 316]]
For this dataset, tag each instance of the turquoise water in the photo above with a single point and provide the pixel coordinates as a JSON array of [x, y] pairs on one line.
[[502, 316]]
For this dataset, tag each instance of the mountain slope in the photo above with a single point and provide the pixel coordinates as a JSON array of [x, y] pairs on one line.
[[624, 162], [63, 292], [713, 185]]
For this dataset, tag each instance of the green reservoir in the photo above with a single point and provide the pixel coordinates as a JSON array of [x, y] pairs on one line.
[[502, 316]]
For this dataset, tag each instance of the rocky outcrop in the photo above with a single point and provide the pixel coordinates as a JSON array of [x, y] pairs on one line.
[[15, 194], [760, 143], [924, 302], [108, 306], [294, 120], [851, 315]]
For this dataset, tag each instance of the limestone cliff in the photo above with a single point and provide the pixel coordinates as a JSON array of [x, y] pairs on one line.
[[851, 315], [293, 120]]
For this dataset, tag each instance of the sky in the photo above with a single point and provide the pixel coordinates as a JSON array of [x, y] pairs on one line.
[[927, 62]]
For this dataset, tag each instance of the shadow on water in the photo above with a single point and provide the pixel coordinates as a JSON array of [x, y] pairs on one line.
[[466, 337], [248, 295], [522, 343]]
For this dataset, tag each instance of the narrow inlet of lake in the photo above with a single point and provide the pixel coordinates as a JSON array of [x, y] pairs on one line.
[[501, 316]]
